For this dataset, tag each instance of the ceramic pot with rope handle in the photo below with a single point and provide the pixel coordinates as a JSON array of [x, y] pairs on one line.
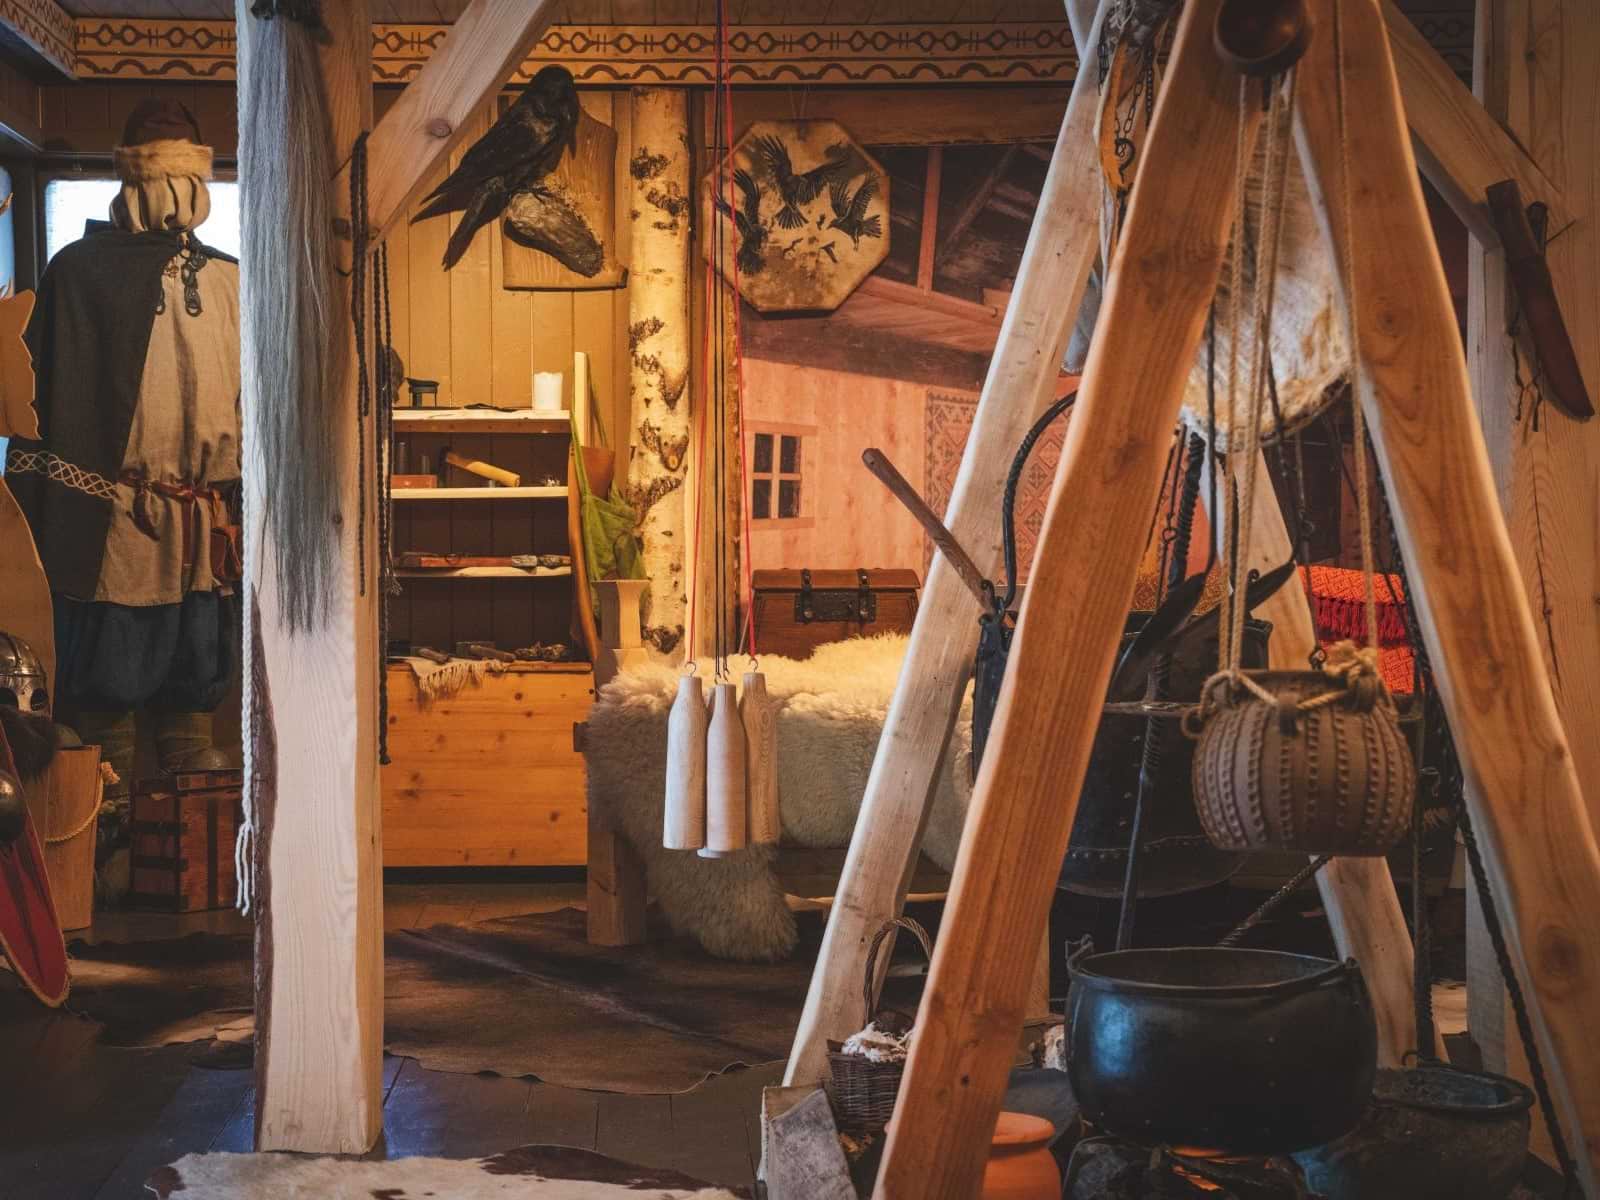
[[1302, 761]]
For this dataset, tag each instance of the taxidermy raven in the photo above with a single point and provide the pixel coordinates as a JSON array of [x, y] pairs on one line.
[[797, 189], [519, 150], [752, 235], [850, 212]]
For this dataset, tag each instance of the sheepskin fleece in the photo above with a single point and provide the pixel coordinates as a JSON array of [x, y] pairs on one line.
[[832, 714], [530, 1172]]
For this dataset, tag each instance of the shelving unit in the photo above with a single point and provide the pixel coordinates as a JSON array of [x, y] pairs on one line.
[[481, 493], [488, 777]]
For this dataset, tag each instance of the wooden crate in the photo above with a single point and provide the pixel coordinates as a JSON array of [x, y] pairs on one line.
[[488, 777], [184, 828]]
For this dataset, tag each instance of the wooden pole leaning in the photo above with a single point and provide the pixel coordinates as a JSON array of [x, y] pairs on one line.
[[938, 664], [1162, 278], [1522, 788], [1358, 893]]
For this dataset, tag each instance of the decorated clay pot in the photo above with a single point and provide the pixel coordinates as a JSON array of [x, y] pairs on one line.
[[1319, 768], [1020, 1165]]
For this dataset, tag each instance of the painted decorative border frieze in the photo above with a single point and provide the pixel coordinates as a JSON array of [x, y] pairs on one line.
[[622, 54], [45, 28], [1042, 52]]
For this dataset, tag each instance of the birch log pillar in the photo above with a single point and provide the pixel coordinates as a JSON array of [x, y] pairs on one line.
[[938, 664], [1358, 893], [658, 346], [313, 753], [1487, 650]]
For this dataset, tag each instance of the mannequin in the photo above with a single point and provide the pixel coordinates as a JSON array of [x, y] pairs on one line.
[[130, 488]]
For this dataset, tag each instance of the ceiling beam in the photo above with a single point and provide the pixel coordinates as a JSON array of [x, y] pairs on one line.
[[43, 32]]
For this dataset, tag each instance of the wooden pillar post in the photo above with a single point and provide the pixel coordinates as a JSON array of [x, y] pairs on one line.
[[938, 664], [1487, 648], [658, 344], [1162, 279], [1358, 893], [319, 927], [1533, 72], [311, 701]]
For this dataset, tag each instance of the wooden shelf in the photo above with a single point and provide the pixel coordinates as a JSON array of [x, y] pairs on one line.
[[520, 668], [479, 420], [482, 493], [486, 573]]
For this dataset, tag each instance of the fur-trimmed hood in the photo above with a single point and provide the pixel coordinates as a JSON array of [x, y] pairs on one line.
[[162, 159]]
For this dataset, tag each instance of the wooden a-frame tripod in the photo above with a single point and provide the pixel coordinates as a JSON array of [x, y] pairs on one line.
[[1411, 379]]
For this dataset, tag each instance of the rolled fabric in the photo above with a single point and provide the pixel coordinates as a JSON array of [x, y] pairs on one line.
[[683, 826], [758, 712], [725, 765]]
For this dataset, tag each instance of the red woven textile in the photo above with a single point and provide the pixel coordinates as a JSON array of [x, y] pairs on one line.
[[1338, 609]]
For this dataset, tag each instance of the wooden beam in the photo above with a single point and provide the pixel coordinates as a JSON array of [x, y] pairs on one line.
[[1522, 785], [1163, 277], [45, 31], [1532, 73], [319, 917], [1460, 147], [978, 198], [928, 247], [483, 48], [1358, 893], [933, 678]]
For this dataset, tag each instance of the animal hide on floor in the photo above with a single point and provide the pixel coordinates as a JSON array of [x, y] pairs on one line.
[[528, 1173], [654, 1018], [832, 709]]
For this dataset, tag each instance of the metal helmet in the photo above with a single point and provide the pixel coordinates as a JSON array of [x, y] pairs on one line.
[[22, 679]]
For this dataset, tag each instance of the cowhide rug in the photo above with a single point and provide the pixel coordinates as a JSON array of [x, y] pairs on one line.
[[516, 996], [528, 1172]]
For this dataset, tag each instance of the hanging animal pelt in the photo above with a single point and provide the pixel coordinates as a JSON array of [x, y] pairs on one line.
[[297, 344]]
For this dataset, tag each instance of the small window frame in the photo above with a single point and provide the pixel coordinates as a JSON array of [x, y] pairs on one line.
[[771, 480]]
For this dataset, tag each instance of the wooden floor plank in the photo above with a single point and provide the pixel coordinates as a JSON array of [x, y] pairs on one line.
[[454, 1116], [709, 1126], [637, 1129], [204, 1103], [560, 1116]]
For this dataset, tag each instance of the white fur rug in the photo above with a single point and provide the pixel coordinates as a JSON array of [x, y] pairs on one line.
[[834, 704], [529, 1173]]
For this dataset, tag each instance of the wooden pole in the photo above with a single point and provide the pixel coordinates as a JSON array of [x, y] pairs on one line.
[[658, 342], [1358, 893], [1487, 653], [1162, 279], [319, 928], [938, 664], [319, 924]]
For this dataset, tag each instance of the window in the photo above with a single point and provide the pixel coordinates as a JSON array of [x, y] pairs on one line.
[[775, 476], [70, 203]]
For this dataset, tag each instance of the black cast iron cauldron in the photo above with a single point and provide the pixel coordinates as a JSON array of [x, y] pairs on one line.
[[1241, 1051], [1430, 1133], [1177, 856]]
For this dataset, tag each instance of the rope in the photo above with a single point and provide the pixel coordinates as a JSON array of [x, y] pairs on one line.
[[82, 826]]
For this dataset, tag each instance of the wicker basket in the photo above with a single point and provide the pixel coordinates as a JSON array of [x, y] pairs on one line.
[[864, 1091]]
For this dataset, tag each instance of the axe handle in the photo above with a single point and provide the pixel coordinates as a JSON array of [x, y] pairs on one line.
[[485, 470], [878, 463]]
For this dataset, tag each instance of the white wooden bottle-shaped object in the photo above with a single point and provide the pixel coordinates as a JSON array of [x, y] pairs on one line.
[[683, 825], [725, 804], [758, 712]]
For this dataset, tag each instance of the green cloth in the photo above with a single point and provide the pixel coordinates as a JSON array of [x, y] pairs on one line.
[[608, 525]]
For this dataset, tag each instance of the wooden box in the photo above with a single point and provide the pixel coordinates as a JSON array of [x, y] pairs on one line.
[[488, 777], [797, 611], [184, 827], [65, 803]]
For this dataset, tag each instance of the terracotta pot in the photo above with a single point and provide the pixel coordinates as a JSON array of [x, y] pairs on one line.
[[1020, 1165], [1334, 779]]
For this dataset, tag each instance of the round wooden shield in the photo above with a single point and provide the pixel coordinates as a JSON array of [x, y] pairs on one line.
[[30, 934]]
